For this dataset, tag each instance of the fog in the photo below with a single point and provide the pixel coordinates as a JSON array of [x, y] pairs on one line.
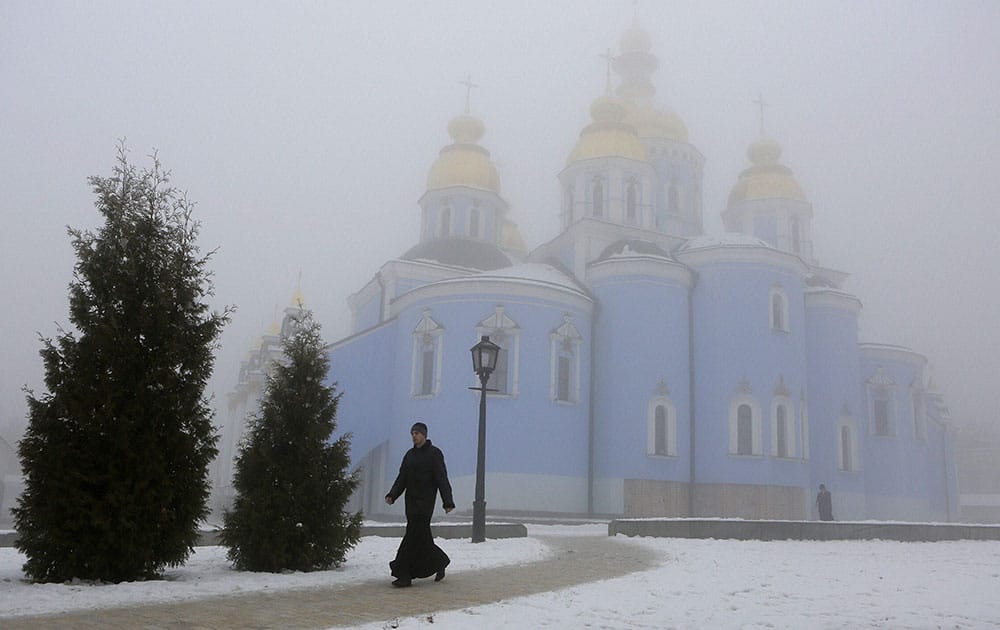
[[305, 132]]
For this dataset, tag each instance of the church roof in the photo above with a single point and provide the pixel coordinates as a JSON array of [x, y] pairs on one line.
[[729, 239], [632, 247], [459, 252]]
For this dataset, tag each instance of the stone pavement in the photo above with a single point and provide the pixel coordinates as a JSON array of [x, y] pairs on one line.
[[575, 560]]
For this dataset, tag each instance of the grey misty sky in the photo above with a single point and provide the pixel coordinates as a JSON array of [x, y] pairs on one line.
[[305, 131]]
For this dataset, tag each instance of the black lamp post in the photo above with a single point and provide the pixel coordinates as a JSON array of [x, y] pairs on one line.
[[484, 361]]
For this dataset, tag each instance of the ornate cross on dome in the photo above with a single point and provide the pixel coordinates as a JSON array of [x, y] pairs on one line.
[[608, 58], [760, 102], [468, 90]]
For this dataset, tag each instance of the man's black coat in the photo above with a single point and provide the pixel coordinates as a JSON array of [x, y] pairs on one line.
[[422, 475]]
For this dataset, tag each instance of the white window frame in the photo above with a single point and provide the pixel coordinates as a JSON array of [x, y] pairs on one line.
[[777, 292], [427, 331], [670, 428], [786, 402], [881, 387], [558, 339], [755, 425], [504, 332], [846, 422]]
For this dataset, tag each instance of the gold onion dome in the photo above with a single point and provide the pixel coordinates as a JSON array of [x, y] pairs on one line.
[[609, 135], [464, 163], [651, 122], [767, 178], [511, 239]]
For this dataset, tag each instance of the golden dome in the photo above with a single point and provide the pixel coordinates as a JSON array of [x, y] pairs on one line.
[[650, 122], [767, 178], [608, 135], [464, 163]]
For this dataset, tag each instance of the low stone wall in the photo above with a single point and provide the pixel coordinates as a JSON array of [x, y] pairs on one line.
[[801, 530]]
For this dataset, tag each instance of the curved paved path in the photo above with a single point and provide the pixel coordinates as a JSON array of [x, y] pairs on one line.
[[575, 560]]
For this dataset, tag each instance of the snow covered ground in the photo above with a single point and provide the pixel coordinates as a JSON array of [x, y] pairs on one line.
[[702, 584]]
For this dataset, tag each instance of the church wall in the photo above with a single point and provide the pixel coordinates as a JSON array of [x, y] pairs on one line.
[[365, 383], [527, 431], [751, 501], [739, 359], [896, 469], [641, 353], [834, 397]]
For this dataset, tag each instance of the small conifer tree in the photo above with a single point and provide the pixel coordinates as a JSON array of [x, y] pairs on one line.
[[116, 453], [292, 482]]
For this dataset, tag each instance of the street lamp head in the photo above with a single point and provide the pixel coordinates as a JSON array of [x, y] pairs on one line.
[[484, 357]]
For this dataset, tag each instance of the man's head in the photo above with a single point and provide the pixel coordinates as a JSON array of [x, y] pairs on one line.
[[419, 433], [822, 487]]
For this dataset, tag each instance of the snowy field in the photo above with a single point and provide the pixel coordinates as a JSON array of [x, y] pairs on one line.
[[702, 584]]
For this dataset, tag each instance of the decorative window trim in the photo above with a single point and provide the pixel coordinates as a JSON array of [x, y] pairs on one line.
[[426, 333], [776, 403], [565, 341], [745, 398], [670, 429], [777, 303], [504, 332]]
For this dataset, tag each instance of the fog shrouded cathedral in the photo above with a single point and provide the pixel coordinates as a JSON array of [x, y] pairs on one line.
[[647, 368]]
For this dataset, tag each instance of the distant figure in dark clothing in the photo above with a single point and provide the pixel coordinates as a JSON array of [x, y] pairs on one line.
[[421, 476], [824, 501]]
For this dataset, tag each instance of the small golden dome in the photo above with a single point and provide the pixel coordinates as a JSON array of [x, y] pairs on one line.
[[464, 163], [511, 239], [608, 135], [767, 178]]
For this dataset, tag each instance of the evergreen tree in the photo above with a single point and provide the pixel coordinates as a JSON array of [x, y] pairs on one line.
[[292, 482], [116, 453]]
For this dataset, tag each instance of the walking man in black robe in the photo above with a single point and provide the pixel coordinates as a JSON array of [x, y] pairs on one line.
[[824, 501], [422, 475]]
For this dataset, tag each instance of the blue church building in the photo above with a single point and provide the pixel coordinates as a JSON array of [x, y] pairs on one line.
[[646, 368]]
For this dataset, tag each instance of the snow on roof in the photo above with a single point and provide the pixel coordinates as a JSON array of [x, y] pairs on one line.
[[729, 239]]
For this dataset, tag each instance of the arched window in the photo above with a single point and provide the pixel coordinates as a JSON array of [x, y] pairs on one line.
[[919, 416], [744, 423], [673, 201], [504, 332], [474, 223], [779, 309], [598, 197], [565, 362], [781, 426], [846, 443], [426, 365], [793, 226], [881, 409], [662, 432], [744, 430], [631, 202], [570, 202], [445, 221]]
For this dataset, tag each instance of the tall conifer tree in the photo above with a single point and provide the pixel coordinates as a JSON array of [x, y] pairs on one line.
[[116, 453], [292, 482]]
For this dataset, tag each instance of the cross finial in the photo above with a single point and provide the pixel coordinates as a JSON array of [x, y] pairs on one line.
[[608, 58], [468, 90], [760, 102]]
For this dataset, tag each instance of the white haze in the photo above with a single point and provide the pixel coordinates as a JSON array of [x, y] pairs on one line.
[[304, 131]]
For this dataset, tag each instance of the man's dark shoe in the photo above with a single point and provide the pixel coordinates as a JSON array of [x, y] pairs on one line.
[[439, 576], [400, 582]]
